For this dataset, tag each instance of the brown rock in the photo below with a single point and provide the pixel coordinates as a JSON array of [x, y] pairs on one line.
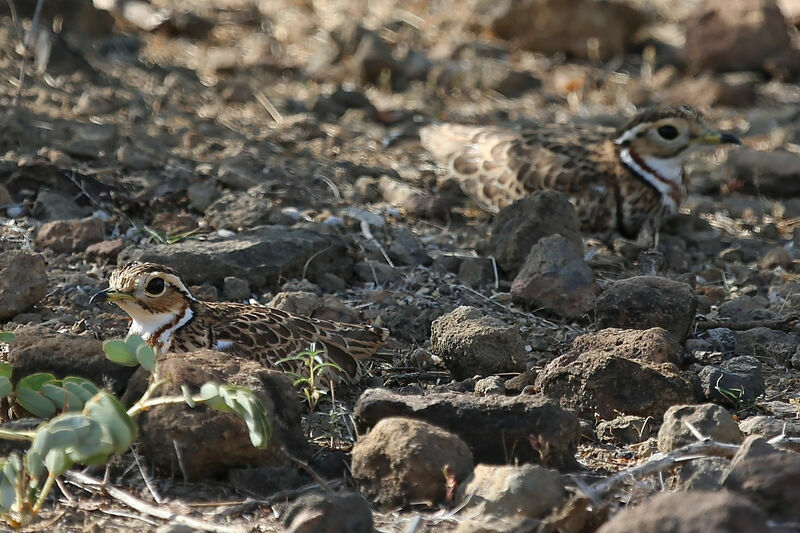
[[508, 491], [644, 302], [725, 35], [105, 249], [690, 512], [23, 282], [769, 426], [39, 349], [209, 441], [579, 28], [498, 429], [519, 226], [709, 419], [472, 344], [401, 461], [603, 384], [771, 480], [70, 235], [654, 345], [555, 276], [329, 513]]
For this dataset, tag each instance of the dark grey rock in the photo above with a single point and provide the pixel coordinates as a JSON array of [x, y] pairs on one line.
[[735, 383], [235, 289], [522, 224], [476, 272], [555, 277], [767, 343], [260, 256], [644, 302], [321, 512], [406, 248], [498, 429]]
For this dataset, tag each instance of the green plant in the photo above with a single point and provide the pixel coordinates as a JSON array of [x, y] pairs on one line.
[[734, 395], [310, 379], [87, 425], [163, 237]]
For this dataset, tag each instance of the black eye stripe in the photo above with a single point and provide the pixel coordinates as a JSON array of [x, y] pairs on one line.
[[155, 286]]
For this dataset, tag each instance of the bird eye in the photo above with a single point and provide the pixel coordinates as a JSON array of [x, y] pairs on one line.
[[155, 287], [668, 132]]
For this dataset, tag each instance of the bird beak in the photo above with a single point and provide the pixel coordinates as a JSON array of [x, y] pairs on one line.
[[718, 137], [111, 295]]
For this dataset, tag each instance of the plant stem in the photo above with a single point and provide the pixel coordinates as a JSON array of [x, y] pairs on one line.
[[141, 405], [48, 485], [145, 404], [7, 434]]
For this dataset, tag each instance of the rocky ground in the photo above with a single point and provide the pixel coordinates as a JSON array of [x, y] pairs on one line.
[[268, 150]]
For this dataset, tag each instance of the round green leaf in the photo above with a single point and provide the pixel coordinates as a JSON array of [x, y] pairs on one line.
[[187, 395], [62, 397], [109, 413], [57, 462], [7, 493], [82, 394], [34, 458], [133, 342], [210, 395], [35, 381], [36, 404], [85, 384], [82, 438], [117, 351], [6, 388], [6, 336], [5, 369], [146, 357]]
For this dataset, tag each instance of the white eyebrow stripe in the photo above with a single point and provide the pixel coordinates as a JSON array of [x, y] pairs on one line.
[[630, 134]]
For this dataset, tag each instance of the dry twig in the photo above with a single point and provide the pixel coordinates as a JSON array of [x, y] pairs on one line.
[[705, 448], [93, 484], [785, 323]]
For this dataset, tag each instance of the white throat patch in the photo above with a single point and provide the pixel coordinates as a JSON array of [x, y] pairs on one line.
[[664, 174], [156, 323]]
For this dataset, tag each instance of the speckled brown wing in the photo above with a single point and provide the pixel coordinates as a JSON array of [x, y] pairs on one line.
[[498, 166], [268, 335]]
